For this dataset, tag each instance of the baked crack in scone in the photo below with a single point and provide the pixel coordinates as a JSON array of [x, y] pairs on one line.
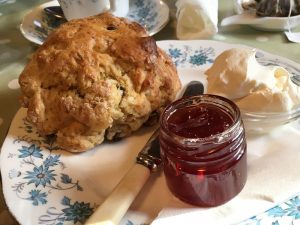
[[96, 78]]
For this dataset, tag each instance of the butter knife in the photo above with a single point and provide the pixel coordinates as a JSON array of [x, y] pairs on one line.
[[114, 207]]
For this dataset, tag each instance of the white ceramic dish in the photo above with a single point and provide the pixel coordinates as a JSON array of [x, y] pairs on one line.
[[44, 185], [153, 15], [262, 23], [248, 17]]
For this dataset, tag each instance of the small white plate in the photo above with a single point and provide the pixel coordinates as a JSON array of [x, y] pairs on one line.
[[262, 23], [153, 15]]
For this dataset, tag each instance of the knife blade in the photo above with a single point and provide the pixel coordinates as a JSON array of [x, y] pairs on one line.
[[114, 207], [149, 156]]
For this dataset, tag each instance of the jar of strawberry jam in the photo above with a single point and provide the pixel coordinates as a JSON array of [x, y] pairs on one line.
[[203, 148]]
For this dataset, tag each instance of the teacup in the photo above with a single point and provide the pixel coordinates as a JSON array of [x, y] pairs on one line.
[[74, 9]]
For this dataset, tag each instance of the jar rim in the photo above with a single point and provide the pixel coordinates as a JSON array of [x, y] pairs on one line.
[[204, 98]]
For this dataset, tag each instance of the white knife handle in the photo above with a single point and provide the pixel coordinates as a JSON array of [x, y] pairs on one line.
[[117, 203]]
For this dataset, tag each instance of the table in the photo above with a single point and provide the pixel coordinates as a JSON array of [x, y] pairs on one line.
[[15, 51]]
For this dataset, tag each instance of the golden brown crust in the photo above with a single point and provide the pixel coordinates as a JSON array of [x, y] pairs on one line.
[[96, 77]]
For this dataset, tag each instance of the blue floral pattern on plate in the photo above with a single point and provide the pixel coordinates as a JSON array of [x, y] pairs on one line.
[[75, 213], [285, 213], [47, 181], [187, 56], [36, 177], [145, 13]]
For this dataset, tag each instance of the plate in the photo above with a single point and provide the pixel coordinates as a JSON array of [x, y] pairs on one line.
[[262, 23], [248, 17], [51, 186], [152, 14]]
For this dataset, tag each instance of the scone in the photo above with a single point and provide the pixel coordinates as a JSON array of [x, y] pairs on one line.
[[96, 78]]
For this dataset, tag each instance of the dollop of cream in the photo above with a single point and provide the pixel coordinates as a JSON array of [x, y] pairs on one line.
[[237, 75]]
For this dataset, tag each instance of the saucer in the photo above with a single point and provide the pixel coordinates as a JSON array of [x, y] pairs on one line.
[[248, 17], [152, 14]]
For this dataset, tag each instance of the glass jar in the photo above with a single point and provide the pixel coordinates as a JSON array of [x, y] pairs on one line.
[[203, 148]]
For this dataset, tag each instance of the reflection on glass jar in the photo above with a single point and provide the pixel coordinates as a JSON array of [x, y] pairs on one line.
[[203, 149]]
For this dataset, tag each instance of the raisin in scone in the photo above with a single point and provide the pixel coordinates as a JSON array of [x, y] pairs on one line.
[[96, 78]]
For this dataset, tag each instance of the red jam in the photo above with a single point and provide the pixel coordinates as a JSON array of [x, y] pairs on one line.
[[203, 149]]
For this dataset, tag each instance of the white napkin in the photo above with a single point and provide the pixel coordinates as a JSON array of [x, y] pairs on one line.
[[196, 19], [272, 169]]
